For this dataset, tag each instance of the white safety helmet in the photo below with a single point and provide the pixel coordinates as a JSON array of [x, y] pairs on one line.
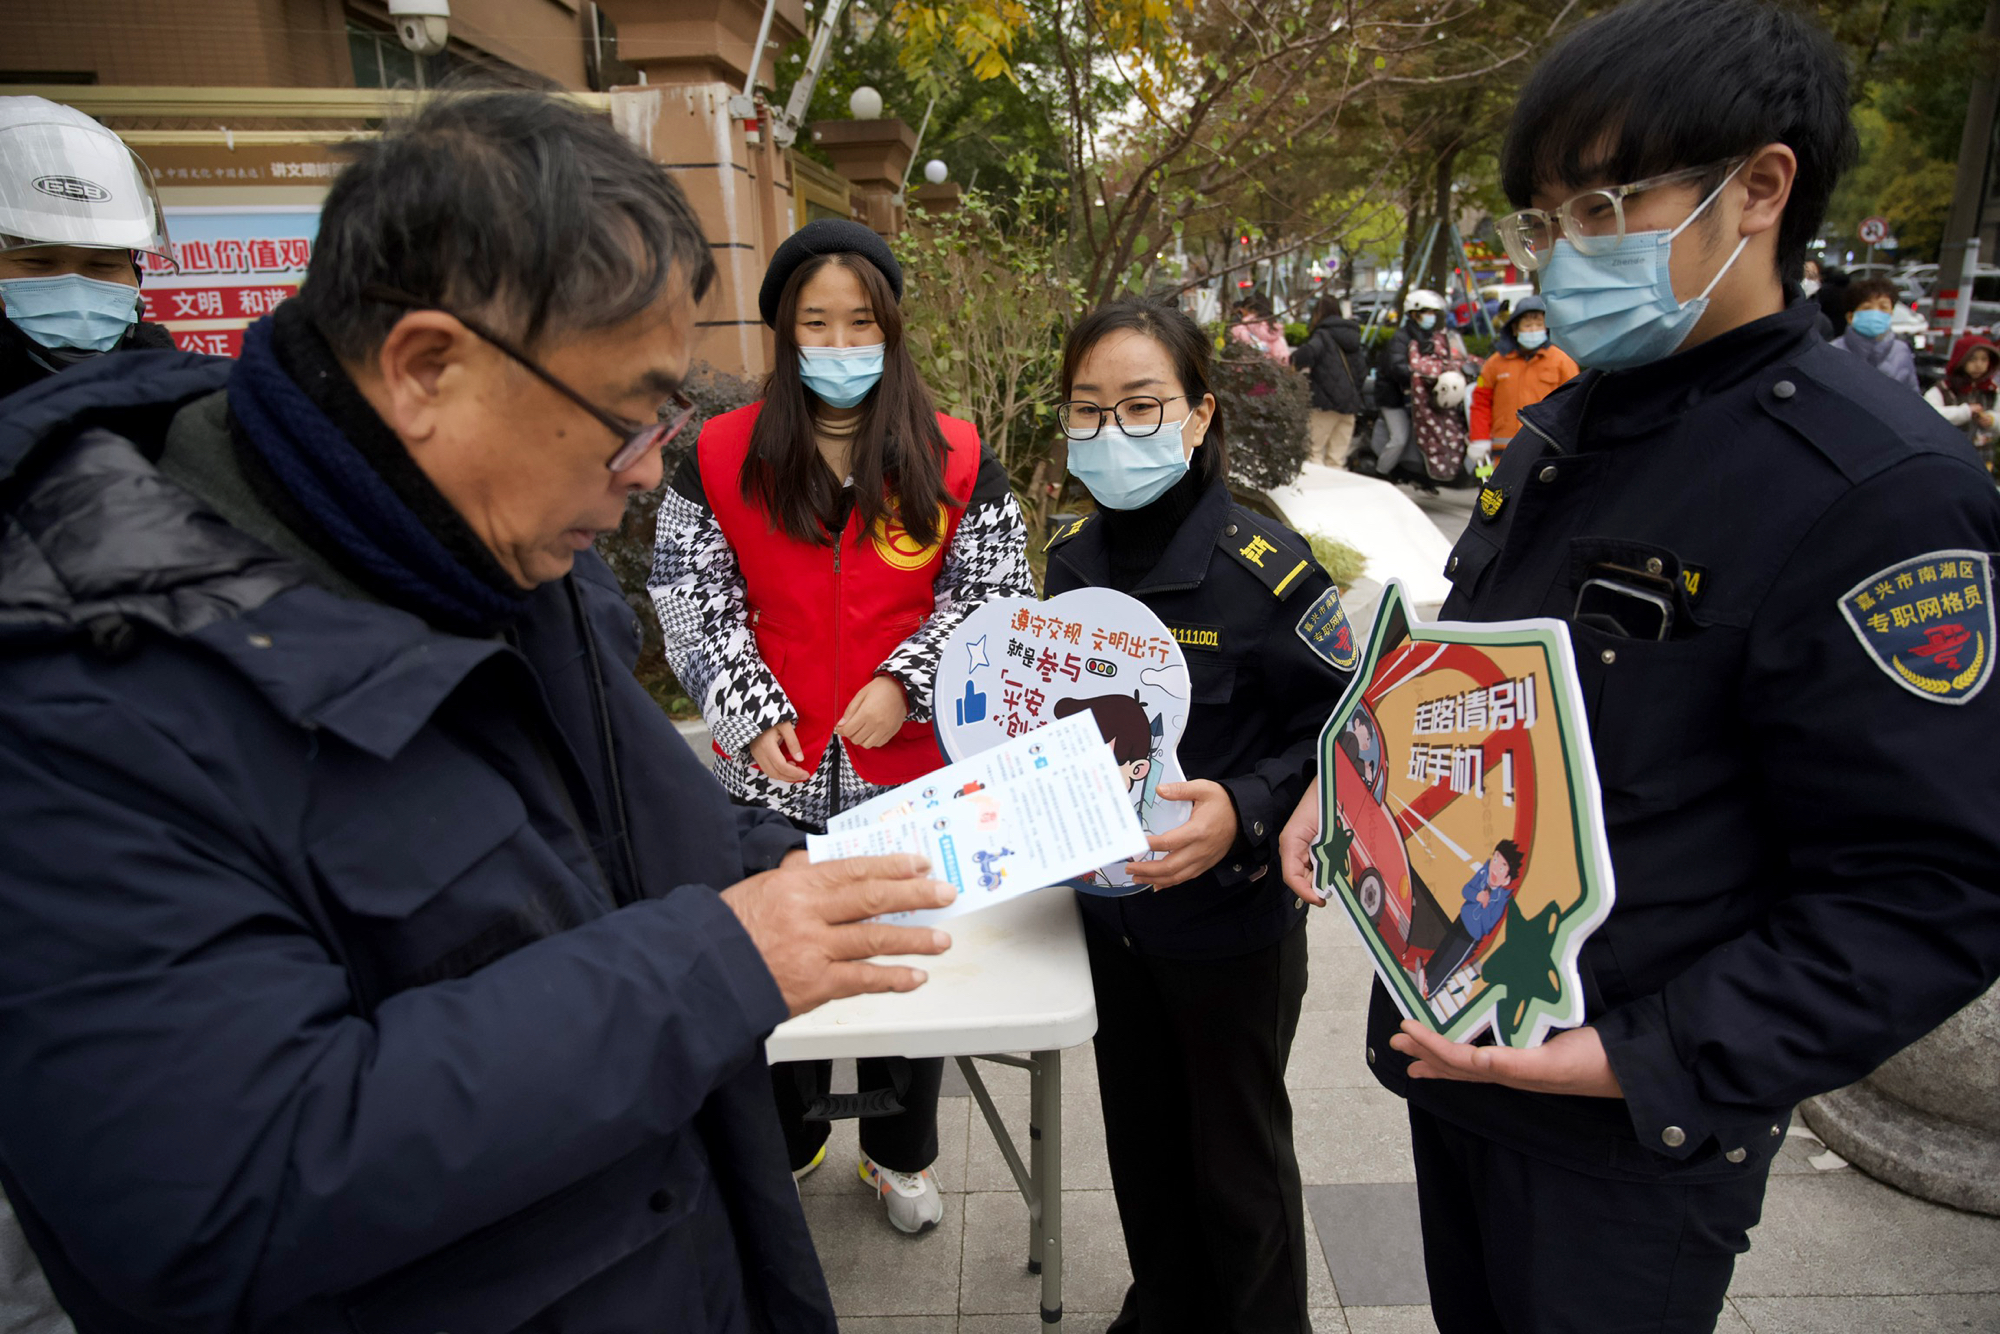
[[66, 180], [1423, 298]]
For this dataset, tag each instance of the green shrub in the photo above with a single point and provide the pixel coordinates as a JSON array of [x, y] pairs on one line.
[[1343, 564], [1295, 334], [1264, 407]]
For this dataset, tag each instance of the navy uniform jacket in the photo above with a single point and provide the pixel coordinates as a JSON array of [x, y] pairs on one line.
[[1806, 841], [354, 975], [1261, 695]]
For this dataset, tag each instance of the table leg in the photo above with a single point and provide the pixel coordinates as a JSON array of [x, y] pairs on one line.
[[1045, 1149]]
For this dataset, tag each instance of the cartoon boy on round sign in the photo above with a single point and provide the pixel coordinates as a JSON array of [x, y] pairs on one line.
[[1014, 665]]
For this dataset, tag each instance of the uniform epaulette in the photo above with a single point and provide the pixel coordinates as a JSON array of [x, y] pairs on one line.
[[1068, 530], [1256, 544]]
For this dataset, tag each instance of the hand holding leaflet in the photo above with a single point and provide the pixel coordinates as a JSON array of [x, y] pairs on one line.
[[1026, 814]]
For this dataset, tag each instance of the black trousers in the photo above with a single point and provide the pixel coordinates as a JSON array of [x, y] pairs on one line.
[[1191, 1061], [1514, 1244], [906, 1142]]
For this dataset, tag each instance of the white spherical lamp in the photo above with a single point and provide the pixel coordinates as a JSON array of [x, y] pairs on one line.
[[935, 171], [865, 103]]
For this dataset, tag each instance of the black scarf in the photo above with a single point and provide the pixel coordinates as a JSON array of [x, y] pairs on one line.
[[331, 470]]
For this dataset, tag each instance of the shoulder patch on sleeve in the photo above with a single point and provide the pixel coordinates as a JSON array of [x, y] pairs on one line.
[[1068, 530], [1328, 633], [1257, 546], [1928, 623]]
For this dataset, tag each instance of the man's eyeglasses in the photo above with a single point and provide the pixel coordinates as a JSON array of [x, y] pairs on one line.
[[1138, 417], [1594, 221], [639, 437]]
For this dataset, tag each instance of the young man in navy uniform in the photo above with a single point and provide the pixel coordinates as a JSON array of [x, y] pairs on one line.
[[1788, 638]]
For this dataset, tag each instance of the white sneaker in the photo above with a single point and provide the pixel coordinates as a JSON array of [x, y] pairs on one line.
[[800, 1174], [914, 1201]]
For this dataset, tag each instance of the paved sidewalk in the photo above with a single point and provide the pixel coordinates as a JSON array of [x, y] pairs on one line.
[[1837, 1253]]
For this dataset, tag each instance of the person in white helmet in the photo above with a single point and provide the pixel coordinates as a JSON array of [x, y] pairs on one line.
[[77, 208], [1423, 318]]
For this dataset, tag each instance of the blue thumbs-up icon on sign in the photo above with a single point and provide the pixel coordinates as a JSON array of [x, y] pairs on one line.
[[972, 708]]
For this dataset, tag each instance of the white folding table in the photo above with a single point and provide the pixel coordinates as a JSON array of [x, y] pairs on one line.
[[1015, 979]]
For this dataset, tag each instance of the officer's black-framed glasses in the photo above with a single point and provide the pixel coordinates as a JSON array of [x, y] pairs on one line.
[[1139, 416], [639, 437], [1593, 222]]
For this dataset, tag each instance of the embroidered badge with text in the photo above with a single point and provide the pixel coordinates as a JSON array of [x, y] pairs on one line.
[[1928, 623], [1327, 632]]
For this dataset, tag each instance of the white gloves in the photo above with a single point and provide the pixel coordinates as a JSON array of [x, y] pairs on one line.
[[1478, 454]]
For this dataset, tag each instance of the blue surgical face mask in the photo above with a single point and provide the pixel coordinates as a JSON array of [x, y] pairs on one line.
[[841, 376], [1618, 310], [70, 310], [1427, 322], [1124, 472], [1870, 323], [1532, 339]]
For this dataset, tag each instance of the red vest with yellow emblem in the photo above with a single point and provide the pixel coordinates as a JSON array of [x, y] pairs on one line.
[[827, 617]]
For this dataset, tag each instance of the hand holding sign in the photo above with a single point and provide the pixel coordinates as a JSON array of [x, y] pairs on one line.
[[1026, 664]]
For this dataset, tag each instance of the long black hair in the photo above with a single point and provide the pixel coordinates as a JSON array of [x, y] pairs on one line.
[[1170, 327], [1328, 308], [899, 450]]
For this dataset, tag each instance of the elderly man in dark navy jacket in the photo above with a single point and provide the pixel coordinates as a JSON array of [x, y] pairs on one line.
[[373, 954], [1787, 668]]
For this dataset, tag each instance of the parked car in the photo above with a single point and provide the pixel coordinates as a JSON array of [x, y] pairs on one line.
[[1984, 312]]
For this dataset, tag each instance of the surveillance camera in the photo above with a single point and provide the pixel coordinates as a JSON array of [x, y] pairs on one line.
[[422, 25]]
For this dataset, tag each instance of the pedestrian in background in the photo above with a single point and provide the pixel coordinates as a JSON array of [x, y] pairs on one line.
[[1831, 296], [1331, 358], [1423, 316], [1257, 327], [1525, 368], [1965, 394], [1871, 304], [69, 267], [812, 556]]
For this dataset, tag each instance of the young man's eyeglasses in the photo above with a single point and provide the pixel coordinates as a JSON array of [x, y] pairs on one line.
[[1594, 221], [1138, 417], [639, 437]]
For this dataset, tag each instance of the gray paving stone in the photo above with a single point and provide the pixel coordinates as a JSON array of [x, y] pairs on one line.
[[1329, 1051], [1320, 1292], [1074, 1322], [1084, 1164], [1844, 1234], [995, 1278], [874, 1270], [1389, 1320], [1875, 1315], [1359, 1134], [1731, 1321], [1372, 1243], [1795, 1158], [1341, 972], [900, 1324], [1329, 1320]]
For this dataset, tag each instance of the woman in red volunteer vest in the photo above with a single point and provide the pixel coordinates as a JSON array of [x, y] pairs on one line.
[[813, 555]]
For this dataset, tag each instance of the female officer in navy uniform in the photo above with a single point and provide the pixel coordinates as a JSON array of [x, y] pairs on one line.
[[1199, 975]]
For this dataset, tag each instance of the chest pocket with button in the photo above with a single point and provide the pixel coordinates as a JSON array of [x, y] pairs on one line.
[[1467, 567], [1663, 716], [432, 866]]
